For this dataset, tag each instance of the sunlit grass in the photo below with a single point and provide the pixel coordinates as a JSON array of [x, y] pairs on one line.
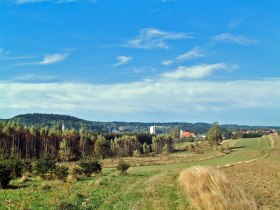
[[144, 187]]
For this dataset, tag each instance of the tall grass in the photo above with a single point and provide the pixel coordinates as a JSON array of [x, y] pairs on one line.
[[209, 189]]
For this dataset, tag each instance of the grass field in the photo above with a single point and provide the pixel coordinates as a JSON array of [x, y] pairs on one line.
[[144, 187], [260, 178]]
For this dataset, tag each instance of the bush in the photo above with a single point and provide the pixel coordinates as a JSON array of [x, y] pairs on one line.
[[77, 172], [90, 166], [146, 148], [136, 153], [9, 169], [6, 172], [27, 167], [122, 167], [19, 166], [45, 167], [61, 172]]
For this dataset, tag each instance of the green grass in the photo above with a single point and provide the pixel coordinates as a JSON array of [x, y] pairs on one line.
[[144, 187]]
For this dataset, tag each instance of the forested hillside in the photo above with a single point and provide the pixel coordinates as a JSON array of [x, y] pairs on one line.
[[70, 122]]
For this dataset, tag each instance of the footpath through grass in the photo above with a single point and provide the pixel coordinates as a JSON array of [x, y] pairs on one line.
[[144, 187], [260, 178]]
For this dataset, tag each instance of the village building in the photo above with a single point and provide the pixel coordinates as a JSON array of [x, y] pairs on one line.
[[186, 134]]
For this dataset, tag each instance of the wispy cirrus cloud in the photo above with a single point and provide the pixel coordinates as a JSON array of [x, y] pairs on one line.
[[194, 72], [9, 55], [53, 58], [122, 60], [237, 39], [191, 54], [166, 62], [151, 38], [48, 59]]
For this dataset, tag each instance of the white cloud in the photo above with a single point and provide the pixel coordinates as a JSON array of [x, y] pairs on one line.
[[237, 39], [150, 38], [167, 97], [193, 53], [53, 58], [166, 62], [122, 60], [194, 72], [48, 59]]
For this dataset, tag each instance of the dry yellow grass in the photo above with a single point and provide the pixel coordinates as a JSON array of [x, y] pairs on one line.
[[209, 189], [261, 178]]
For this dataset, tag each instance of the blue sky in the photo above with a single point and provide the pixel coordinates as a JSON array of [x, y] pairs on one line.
[[146, 60]]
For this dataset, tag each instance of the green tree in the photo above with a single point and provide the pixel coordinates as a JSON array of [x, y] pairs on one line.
[[146, 148], [175, 134], [90, 166], [122, 166], [65, 153], [101, 147], [214, 135]]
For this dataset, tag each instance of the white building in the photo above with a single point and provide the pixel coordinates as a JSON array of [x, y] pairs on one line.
[[63, 127], [153, 129]]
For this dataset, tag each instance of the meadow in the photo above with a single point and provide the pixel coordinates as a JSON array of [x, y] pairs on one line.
[[151, 186]]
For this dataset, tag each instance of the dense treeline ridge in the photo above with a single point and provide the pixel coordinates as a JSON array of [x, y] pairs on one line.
[[55, 120], [30, 142]]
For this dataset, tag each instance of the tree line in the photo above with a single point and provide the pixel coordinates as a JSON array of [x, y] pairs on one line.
[[30, 142]]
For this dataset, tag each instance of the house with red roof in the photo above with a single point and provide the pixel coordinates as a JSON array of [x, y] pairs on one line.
[[186, 134]]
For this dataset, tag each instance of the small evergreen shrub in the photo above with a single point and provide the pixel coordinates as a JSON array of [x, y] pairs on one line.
[[9, 169], [27, 167], [77, 172], [90, 166], [122, 167], [61, 172], [6, 172], [45, 167]]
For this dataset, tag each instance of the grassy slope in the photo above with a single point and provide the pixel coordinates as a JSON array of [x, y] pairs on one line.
[[144, 187], [260, 178]]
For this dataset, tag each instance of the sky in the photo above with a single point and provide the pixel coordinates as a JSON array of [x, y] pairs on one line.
[[142, 60]]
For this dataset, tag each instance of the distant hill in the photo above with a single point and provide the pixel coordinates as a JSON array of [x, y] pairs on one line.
[[56, 120]]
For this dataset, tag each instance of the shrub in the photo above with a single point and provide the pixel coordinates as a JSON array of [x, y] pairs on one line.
[[9, 169], [45, 167], [90, 166], [122, 167], [77, 171], [146, 148], [27, 167], [6, 172], [61, 172], [136, 153], [18, 166]]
